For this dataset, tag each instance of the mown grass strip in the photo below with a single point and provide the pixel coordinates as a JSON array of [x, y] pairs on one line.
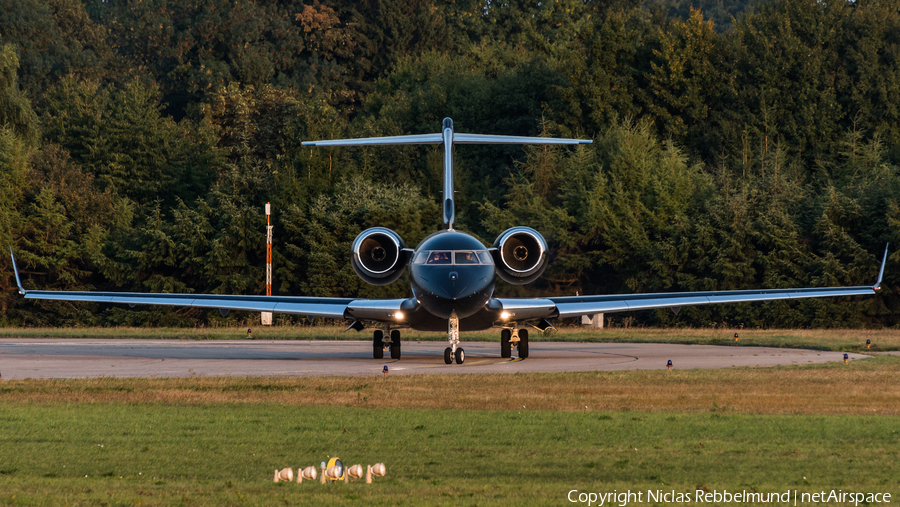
[[862, 387]]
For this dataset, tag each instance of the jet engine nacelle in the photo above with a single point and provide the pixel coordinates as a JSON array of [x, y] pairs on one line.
[[520, 255], [378, 256]]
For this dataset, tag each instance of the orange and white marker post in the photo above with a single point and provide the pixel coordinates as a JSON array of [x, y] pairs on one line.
[[267, 316]]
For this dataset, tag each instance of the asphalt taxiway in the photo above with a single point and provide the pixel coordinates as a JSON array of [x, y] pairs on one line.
[[85, 358]]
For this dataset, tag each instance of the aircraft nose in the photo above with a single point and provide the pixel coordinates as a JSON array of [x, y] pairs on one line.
[[458, 288]]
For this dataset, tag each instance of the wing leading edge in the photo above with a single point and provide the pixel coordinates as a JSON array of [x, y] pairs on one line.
[[574, 306]]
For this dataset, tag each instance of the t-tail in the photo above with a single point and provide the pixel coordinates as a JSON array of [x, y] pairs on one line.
[[448, 138]]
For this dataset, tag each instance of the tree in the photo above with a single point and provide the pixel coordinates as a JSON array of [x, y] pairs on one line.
[[790, 74], [601, 64], [192, 48], [319, 238], [122, 137], [689, 80], [13, 180], [53, 39], [15, 109]]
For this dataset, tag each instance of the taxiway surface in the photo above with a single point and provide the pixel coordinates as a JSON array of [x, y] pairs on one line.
[[83, 358]]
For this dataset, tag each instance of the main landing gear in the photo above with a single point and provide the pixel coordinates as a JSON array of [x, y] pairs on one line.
[[379, 343], [510, 337], [454, 351]]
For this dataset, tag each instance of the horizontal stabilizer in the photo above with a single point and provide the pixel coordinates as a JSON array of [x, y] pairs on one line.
[[375, 141], [488, 139], [438, 139]]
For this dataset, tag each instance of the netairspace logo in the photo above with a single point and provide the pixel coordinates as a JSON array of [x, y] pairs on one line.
[[657, 496]]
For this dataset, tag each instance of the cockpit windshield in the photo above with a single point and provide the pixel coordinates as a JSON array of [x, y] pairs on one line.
[[466, 258], [439, 258], [450, 257]]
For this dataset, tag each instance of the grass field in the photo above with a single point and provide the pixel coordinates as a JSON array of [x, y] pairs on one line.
[[849, 340], [451, 439]]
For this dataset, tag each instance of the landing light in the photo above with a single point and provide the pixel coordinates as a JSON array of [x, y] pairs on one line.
[[504, 315], [399, 315]]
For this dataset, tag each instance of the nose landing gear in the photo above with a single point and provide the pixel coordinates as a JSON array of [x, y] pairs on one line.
[[454, 351]]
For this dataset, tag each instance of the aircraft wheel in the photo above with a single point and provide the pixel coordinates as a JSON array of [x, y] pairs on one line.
[[395, 344], [523, 343], [460, 356], [378, 345], [505, 347], [448, 355]]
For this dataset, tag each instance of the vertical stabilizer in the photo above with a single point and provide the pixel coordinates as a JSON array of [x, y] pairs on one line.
[[448, 201]]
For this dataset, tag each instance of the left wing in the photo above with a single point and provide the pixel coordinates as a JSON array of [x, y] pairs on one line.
[[574, 306], [329, 308]]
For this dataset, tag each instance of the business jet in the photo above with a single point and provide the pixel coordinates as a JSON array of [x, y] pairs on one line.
[[452, 277]]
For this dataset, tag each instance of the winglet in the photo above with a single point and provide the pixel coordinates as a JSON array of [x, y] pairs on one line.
[[16, 270], [881, 271]]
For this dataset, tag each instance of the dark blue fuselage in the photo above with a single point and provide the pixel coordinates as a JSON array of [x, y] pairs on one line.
[[452, 273]]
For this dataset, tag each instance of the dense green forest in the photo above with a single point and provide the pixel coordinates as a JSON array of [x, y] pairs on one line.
[[737, 145]]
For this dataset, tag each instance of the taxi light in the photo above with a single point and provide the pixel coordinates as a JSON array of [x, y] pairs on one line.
[[504, 315], [308, 473], [286, 474], [374, 470], [399, 315]]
